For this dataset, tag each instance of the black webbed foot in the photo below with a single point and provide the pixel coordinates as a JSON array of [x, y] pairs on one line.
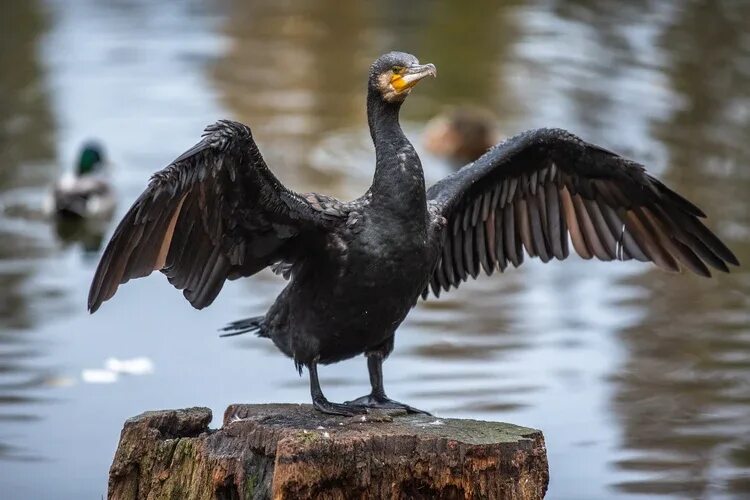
[[346, 410], [384, 403]]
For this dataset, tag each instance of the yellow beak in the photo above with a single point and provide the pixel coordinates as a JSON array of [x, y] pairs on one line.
[[411, 76]]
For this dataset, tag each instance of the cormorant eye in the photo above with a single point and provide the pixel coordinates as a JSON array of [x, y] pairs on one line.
[[397, 69]]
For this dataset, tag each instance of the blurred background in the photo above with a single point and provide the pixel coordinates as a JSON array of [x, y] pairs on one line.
[[639, 379]]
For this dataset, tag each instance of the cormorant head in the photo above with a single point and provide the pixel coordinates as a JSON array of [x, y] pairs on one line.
[[393, 75], [91, 159]]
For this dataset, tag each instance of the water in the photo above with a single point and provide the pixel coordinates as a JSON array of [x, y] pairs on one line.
[[639, 379]]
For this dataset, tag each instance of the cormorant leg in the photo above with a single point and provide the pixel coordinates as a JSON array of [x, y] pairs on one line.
[[377, 398], [322, 404]]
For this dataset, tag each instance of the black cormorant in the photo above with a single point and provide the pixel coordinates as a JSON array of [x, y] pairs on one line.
[[357, 268]]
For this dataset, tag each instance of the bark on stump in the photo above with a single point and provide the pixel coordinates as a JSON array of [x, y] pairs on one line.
[[292, 451]]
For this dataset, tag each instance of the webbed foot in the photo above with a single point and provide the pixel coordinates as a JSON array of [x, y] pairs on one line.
[[346, 410], [384, 403]]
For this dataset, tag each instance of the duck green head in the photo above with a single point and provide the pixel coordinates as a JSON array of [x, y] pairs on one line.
[[91, 159]]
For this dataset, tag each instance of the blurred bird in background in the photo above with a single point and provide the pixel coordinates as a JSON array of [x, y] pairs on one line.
[[82, 202], [461, 134]]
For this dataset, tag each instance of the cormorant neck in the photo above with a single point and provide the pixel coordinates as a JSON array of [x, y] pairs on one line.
[[382, 117], [399, 181]]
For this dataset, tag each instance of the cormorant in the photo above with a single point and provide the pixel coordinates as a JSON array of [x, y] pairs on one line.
[[87, 194], [357, 268], [461, 134]]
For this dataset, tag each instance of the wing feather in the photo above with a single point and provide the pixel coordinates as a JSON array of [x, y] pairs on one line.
[[524, 227], [537, 227], [458, 256], [511, 244], [535, 191], [216, 212], [481, 248], [502, 260], [571, 220], [588, 230], [557, 229]]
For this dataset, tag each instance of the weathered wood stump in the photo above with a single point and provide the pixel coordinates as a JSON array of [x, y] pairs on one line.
[[292, 451]]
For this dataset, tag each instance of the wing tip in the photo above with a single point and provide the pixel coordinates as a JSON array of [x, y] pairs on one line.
[[734, 260], [94, 300], [703, 272]]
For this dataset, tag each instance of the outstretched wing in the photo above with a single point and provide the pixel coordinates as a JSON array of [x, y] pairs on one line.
[[216, 212], [533, 190]]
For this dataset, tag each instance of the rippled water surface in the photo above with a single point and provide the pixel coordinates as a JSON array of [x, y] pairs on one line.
[[639, 379]]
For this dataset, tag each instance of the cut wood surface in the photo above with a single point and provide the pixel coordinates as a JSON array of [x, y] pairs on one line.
[[289, 451]]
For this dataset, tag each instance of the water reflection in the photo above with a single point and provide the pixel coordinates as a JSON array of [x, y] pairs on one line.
[[89, 234], [25, 128], [26, 151], [683, 394], [639, 379]]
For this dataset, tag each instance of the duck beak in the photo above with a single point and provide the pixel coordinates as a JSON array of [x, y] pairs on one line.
[[412, 75]]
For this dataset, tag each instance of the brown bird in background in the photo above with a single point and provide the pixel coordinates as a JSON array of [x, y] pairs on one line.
[[461, 134]]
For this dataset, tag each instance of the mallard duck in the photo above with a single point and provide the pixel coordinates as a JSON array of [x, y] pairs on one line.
[[461, 134], [87, 192], [357, 268]]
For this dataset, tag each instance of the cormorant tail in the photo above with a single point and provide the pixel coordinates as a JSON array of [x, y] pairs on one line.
[[246, 325]]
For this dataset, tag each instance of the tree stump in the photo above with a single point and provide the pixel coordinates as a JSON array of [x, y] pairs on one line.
[[292, 451]]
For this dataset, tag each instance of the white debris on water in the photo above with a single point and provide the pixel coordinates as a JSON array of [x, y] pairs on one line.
[[320, 427], [326, 435], [134, 366], [114, 367], [97, 376]]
